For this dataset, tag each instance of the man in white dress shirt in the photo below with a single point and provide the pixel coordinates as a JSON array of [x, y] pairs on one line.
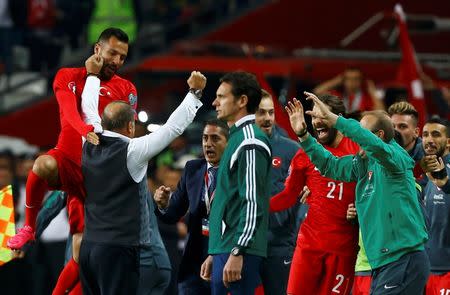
[[119, 220]]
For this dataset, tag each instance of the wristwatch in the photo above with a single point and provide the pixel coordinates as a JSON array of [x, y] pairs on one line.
[[196, 92], [236, 251]]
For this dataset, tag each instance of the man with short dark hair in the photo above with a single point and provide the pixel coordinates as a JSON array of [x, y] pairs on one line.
[[121, 229], [436, 143], [283, 225], [390, 218], [194, 196], [60, 168], [239, 213]]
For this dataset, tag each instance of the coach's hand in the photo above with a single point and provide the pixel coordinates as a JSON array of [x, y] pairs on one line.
[[197, 81], [162, 196], [206, 269], [92, 138], [94, 64], [232, 269]]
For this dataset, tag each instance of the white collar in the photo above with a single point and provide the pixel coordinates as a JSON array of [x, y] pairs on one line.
[[209, 165], [244, 119], [115, 134]]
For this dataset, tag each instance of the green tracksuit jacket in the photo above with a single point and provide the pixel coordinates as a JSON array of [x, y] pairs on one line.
[[240, 210], [389, 213]]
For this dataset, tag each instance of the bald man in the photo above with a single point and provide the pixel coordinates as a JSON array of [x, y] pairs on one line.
[[389, 215], [120, 225]]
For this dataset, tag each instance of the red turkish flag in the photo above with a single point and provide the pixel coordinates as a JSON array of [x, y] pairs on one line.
[[408, 72]]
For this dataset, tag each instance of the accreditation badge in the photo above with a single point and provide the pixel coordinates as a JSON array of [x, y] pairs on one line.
[[205, 227]]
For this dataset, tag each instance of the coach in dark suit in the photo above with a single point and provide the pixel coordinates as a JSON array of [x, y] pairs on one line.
[[194, 194]]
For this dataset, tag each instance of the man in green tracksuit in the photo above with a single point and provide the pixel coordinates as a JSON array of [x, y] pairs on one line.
[[239, 215], [391, 222]]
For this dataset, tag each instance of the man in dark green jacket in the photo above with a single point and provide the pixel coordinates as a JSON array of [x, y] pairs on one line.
[[391, 222], [239, 215]]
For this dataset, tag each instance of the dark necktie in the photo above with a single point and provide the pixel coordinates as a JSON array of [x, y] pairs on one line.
[[212, 173]]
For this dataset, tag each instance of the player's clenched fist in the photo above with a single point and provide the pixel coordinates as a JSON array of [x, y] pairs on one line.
[[197, 81], [94, 64], [162, 196]]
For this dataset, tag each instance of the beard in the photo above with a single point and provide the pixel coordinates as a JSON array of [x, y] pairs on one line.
[[440, 151], [329, 138], [108, 71]]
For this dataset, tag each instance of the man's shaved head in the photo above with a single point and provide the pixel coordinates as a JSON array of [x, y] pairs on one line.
[[117, 115]]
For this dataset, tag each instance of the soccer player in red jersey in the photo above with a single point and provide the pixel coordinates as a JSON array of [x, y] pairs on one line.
[[325, 254], [60, 167]]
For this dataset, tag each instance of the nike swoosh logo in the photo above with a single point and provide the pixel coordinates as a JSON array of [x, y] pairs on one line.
[[390, 287], [287, 262]]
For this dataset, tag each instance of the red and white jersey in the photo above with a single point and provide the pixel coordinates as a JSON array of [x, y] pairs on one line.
[[68, 87], [325, 226]]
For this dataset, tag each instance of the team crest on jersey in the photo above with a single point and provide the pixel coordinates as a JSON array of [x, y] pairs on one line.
[[72, 86], [370, 174], [104, 91], [276, 162], [132, 99]]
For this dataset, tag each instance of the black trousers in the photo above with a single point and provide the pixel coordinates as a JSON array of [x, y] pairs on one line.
[[275, 274], [153, 281], [406, 276], [108, 269]]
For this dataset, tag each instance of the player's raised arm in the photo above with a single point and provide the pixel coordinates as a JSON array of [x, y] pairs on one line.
[[89, 97], [67, 102]]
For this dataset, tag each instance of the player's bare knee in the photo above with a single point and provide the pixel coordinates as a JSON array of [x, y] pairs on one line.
[[45, 166]]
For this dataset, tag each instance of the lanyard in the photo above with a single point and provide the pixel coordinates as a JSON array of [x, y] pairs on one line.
[[208, 198]]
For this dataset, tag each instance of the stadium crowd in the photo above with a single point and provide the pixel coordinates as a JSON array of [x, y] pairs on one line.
[[231, 219]]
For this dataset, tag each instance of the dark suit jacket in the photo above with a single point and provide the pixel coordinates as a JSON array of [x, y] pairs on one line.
[[188, 197]]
